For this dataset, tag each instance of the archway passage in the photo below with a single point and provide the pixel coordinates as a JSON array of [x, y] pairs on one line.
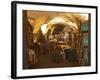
[[55, 39]]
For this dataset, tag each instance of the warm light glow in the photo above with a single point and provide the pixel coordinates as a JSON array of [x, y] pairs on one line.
[[57, 20], [64, 21], [43, 28], [85, 15]]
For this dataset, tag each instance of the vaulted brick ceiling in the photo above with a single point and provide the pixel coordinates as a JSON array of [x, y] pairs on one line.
[[38, 18]]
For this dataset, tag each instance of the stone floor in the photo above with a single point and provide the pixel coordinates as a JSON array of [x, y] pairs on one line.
[[46, 61]]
